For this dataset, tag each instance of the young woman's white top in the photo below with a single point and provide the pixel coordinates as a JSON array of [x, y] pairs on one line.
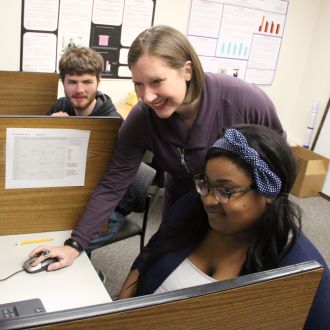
[[184, 276]]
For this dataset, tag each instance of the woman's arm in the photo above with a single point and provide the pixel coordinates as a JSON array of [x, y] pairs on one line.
[[129, 287]]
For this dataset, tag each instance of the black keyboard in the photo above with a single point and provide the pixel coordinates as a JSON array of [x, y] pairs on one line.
[[21, 308]]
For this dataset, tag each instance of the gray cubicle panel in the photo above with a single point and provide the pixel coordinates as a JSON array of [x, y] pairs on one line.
[[33, 210], [276, 299]]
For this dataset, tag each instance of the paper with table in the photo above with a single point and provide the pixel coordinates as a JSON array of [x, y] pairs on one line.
[[45, 157]]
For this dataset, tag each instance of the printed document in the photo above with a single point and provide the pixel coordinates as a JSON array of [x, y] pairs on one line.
[[45, 157]]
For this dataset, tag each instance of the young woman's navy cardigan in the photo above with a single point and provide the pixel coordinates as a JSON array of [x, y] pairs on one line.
[[303, 250]]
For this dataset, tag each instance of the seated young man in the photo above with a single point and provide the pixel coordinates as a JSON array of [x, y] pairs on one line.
[[80, 71], [240, 221]]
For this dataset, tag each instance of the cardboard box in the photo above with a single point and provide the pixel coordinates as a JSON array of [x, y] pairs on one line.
[[312, 169]]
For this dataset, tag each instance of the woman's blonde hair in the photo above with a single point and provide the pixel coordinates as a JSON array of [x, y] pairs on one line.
[[172, 46]]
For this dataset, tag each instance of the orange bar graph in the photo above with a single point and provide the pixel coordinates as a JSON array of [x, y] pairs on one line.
[[278, 27], [266, 26], [262, 23]]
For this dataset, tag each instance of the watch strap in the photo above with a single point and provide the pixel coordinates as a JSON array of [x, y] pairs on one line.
[[73, 244]]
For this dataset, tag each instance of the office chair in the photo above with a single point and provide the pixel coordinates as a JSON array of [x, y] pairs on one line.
[[136, 199]]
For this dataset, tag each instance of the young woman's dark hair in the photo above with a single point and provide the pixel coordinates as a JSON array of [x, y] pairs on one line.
[[282, 217], [281, 220]]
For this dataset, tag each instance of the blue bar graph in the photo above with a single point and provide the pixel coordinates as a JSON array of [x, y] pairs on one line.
[[223, 48], [240, 49], [233, 49], [228, 49]]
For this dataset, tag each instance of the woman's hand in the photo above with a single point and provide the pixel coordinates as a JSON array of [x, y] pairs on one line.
[[65, 255]]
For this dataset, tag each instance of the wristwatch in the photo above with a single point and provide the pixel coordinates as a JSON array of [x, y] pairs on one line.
[[74, 244]]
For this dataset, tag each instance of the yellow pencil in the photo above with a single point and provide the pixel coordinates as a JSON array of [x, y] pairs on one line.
[[41, 240]]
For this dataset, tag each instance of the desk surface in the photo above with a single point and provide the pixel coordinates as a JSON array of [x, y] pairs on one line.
[[70, 287]]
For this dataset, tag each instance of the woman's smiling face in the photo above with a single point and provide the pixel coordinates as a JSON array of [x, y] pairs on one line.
[[160, 86], [243, 209]]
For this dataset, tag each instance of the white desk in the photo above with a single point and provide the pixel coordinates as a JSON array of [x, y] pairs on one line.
[[75, 286]]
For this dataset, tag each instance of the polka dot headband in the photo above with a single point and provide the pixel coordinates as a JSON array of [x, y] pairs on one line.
[[267, 182]]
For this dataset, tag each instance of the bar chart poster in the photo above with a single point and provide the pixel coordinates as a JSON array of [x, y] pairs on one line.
[[50, 27], [240, 38]]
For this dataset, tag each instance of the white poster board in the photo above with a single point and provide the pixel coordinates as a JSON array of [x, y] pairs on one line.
[[240, 38]]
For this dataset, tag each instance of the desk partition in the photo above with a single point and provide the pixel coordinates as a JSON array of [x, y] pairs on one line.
[[27, 93], [59, 208], [277, 299]]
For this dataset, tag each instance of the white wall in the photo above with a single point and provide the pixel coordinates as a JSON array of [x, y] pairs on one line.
[[315, 82], [10, 30], [303, 72]]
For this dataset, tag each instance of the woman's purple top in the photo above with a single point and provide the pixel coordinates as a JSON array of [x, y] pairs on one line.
[[179, 150]]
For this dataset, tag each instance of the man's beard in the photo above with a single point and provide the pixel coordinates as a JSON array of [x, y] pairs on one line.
[[84, 104]]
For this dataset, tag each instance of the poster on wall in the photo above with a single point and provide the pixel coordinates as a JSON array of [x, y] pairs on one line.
[[240, 38], [108, 26]]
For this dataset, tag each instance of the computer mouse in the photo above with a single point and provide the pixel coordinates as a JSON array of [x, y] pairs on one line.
[[43, 265]]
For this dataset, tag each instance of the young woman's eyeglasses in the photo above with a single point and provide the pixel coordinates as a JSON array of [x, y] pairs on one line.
[[221, 194]]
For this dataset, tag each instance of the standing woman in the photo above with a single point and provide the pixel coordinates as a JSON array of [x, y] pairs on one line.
[[182, 109], [181, 113]]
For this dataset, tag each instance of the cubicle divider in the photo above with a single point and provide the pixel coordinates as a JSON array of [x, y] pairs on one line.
[[32, 210], [277, 299], [27, 93]]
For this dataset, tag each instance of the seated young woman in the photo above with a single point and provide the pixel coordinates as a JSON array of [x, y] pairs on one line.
[[239, 221]]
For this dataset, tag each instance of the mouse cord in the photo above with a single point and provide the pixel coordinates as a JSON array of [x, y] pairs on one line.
[[6, 278]]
